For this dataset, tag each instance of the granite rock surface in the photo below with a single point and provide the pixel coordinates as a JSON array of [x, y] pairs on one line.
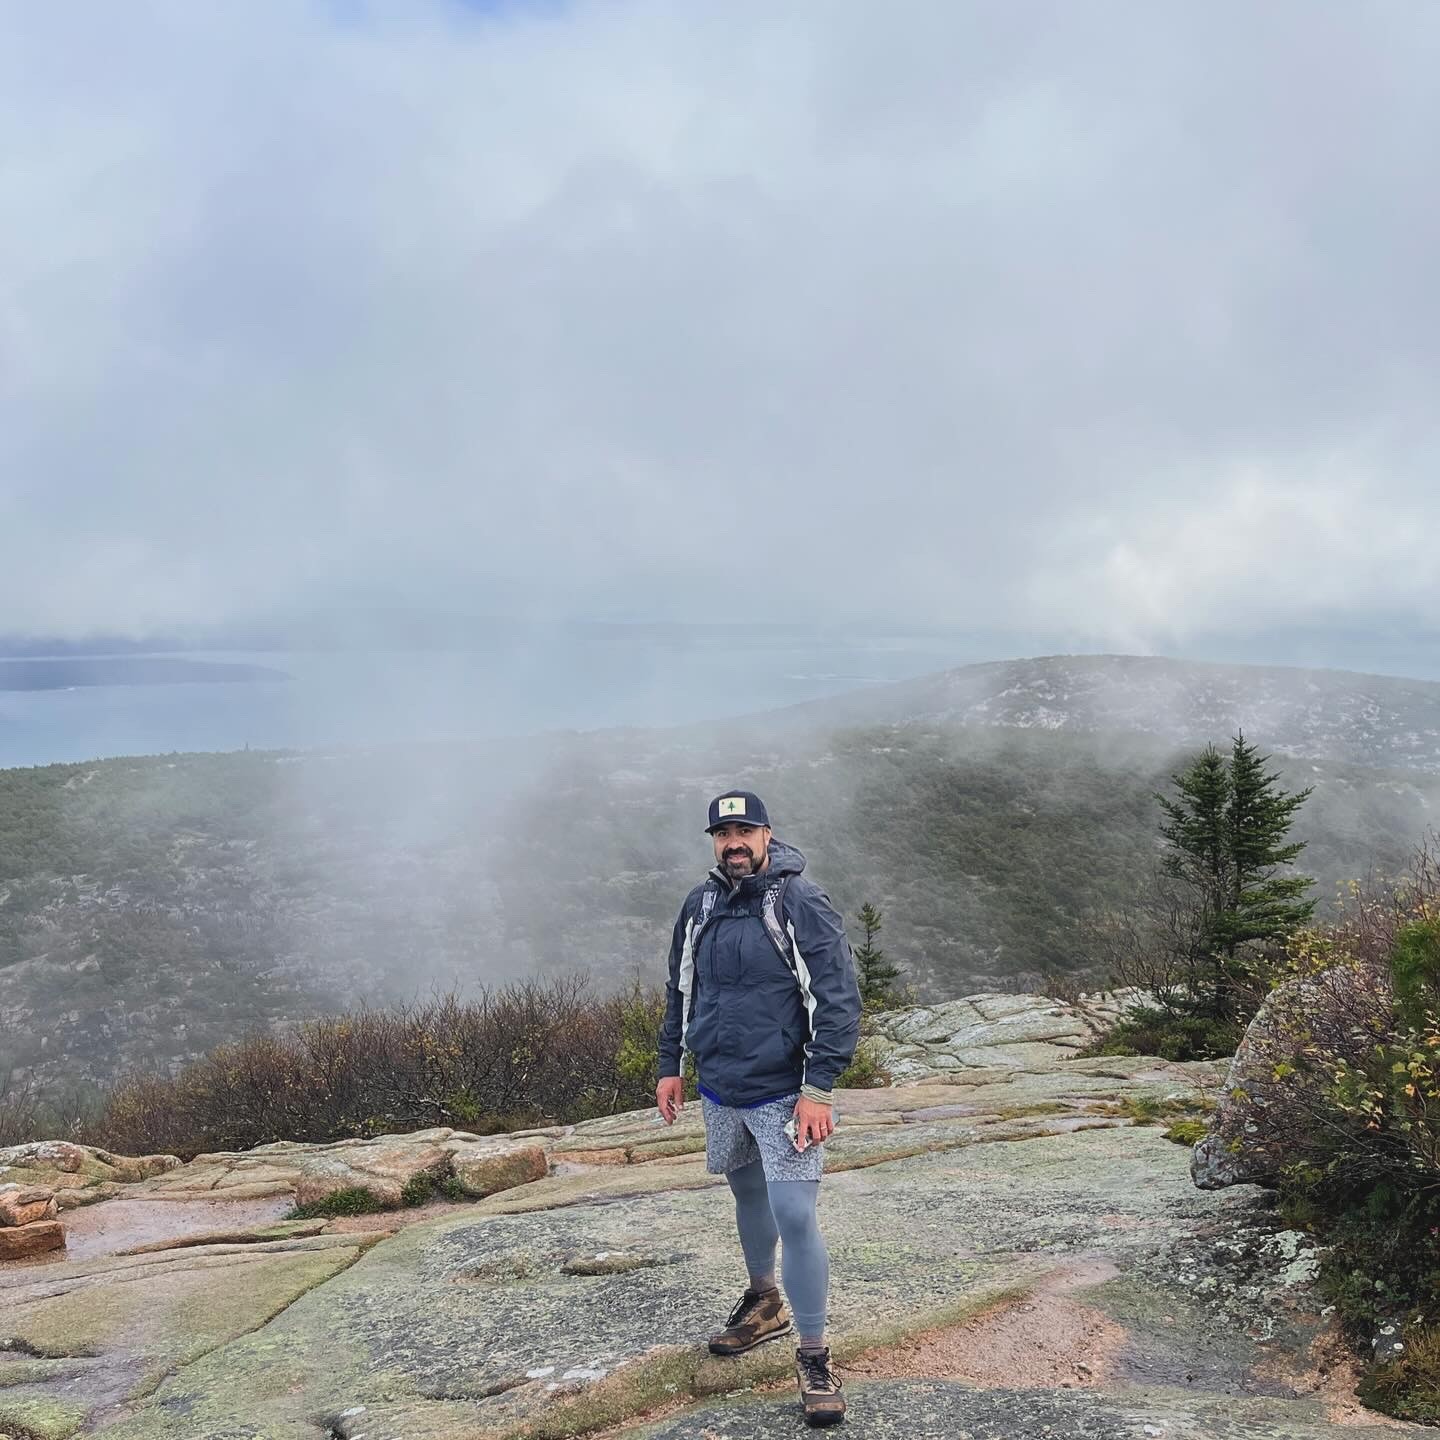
[[1015, 1248]]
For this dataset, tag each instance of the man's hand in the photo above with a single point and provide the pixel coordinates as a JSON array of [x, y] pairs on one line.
[[813, 1123], [670, 1098]]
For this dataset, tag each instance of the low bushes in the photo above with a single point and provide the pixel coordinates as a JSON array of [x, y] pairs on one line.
[[1362, 1168], [1149, 1030], [1336, 1100], [533, 1052], [530, 1053], [865, 1071]]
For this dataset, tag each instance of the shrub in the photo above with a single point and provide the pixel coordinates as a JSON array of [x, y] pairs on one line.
[[637, 1057], [1066, 986], [19, 1109], [1341, 1101], [864, 1071], [532, 1052], [1172, 1035], [353, 1200], [418, 1189]]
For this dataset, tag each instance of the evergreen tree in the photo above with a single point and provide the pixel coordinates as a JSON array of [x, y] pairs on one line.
[[1265, 904], [877, 975], [1226, 830], [1195, 829]]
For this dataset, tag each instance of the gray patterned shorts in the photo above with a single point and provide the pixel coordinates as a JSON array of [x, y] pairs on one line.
[[736, 1137]]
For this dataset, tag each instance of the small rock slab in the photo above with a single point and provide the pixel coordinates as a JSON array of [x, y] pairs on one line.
[[483, 1175], [17, 1242], [1019, 1031], [282, 1230], [610, 1262], [25, 1204]]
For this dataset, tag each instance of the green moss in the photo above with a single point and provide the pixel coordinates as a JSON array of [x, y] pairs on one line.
[[1143, 1109], [1038, 1107], [36, 1371], [1187, 1132], [27, 1419]]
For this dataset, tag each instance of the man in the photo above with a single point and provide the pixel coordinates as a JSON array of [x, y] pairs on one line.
[[762, 993]]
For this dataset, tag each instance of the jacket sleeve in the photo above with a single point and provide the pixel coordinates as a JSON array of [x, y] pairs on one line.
[[671, 1025], [832, 995]]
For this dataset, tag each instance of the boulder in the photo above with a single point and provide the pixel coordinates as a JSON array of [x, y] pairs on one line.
[[1289, 1049], [58, 1155], [1017, 1031], [383, 1170], [19, 1241], [489, 1174], [130, 1168], [62, 1165], [25, 1204], [382, 1164]]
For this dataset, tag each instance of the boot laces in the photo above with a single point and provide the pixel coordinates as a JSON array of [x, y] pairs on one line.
[[818, 1375], [746, 1303]]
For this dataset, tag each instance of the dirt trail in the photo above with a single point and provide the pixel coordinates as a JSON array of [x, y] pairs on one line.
[[1046, 1338]]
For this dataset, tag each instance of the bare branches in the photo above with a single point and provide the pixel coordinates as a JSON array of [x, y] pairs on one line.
[[531, 1052], [19, 1107]]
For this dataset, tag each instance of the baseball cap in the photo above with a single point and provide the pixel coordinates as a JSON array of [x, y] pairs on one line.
[[737, 807]]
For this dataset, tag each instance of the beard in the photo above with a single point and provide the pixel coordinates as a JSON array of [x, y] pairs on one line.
[[740, 863]]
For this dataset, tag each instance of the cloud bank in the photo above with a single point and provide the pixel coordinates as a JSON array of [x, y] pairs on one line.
[[1108, 319]]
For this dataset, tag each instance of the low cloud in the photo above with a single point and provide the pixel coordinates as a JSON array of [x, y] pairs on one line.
[[1113, 320]]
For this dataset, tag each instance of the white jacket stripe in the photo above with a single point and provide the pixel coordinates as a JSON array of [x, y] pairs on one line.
[[802, 974], [686, 982]]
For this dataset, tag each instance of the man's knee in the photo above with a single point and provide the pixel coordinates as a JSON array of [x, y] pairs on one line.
[[747, 1181], [792, 1202]]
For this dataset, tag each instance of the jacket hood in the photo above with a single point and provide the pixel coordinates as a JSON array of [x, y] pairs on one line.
[[784, 860]]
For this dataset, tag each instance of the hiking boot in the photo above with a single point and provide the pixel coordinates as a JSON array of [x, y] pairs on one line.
[[758, 1317], [819, 1388]]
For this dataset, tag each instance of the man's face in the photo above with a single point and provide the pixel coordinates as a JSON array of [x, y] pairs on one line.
[[740, 850]]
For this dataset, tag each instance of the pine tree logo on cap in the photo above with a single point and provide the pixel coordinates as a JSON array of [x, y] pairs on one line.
[[740, 807]]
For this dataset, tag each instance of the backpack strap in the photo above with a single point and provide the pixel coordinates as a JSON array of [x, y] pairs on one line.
[[772, 913], [708, 896]]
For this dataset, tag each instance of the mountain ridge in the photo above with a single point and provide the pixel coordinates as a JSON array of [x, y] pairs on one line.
[[151, 908], [960, 695]]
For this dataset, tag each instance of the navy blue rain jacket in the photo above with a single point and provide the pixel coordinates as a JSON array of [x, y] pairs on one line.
[[754, 1030]]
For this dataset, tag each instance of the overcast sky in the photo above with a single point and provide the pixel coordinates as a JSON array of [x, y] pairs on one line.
[[1114, 316]]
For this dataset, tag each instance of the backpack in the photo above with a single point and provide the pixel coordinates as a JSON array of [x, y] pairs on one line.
[[772, 915]]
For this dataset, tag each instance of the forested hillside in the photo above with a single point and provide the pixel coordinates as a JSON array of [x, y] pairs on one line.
[[150, 908]]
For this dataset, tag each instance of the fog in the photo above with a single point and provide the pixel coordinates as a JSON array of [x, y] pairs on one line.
[[529, 369], [1115, 324]]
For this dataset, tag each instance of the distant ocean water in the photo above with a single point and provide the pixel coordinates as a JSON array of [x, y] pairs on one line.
[[378, 697]]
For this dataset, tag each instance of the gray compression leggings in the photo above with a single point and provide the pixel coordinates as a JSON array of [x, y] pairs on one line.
[[784, 1210]]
